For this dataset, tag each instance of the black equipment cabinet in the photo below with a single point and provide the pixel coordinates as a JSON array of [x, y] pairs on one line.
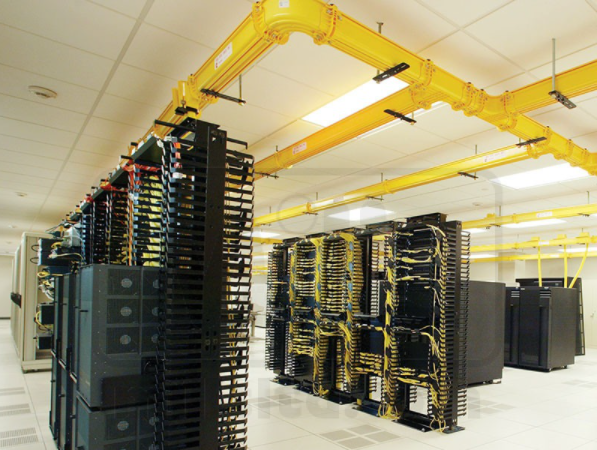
[[559, 282], [540, 327], [485, 331]]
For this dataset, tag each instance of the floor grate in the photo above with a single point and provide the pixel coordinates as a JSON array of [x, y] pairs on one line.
[[20, 440], [14, 410], [17, 433], [10, 407], [359, 437], [12, 391]]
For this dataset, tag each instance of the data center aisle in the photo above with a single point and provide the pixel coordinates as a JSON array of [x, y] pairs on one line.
[[528, 410]]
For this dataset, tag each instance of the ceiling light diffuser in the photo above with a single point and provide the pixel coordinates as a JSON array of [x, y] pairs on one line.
[[476, 230], [264, 234], [578, 250], [354, 101], [534, 223], [360, 214], [542, 177], [482, 255]]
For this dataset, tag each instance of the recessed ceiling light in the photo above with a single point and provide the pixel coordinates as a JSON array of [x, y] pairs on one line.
[[476, 230], [42, 92], [21, 194], [534, 223], [264, 234], [542, 177], [482, 255], [360, 214], [578, 250], [355, 100]]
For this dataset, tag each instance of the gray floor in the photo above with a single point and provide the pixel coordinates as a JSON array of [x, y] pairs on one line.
[[528, 410]]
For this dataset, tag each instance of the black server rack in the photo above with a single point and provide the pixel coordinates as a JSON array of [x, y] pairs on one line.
[[560, 282], [540, 327], [63, 344], [485, 360], [129, 428], [117, 334], [207, 217], [175, 228], [374, 316]]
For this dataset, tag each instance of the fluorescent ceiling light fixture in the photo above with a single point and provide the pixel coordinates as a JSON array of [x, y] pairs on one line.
[[578, 250], [482, 255], [542, 177], [264, 234], [534, 223], [360, 214], [476, 230], [355, 100]]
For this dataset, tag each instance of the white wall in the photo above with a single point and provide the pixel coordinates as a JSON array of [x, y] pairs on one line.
[[259, 298], [5, 285], [507, 272]]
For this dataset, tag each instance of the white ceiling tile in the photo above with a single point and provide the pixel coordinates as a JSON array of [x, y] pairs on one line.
[[80, 188], [282, 186], [69, 196], [289, 135], [92, 172], [463, 12], [26, 146], [27, 180], [102, 146], [80, 178], [589, 105], [141, 86], [114, 131], [446, 153], [41, 114], [25, 130], [35, 54], [22, 169], [587, 141], [403, 166], [7, 156], [510, 84], [79, 24], [451, 125], [244, 118], [348, 183], [277, 93], [523, 30], [565, 62], [328, 169], [569, 122], [489, 140], [402, 21], [164, 53], [319, 66], [129, 7], [583, 185], [126, 111], [29, 189], [404, 138], [470, 61], [222, 20], [14, 82], [365, 152], [93, 159]]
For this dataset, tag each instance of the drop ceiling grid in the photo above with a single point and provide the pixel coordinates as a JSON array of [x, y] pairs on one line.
[[123, 136]]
